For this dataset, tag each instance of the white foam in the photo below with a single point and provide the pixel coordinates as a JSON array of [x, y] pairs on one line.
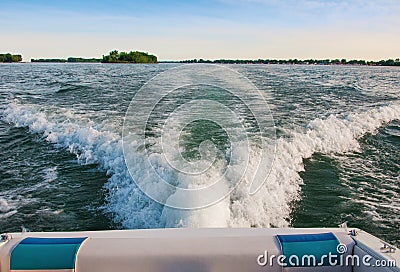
[[50, 174], [7, 214], [4, 207], [270, 206]]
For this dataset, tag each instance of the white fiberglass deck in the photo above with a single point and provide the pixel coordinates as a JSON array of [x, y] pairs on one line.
[[195, 250]]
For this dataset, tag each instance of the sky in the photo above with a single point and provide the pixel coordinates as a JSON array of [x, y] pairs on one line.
[[177, 30]]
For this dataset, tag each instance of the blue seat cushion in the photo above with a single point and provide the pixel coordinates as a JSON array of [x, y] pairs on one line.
[[45, 253], [299, 247]]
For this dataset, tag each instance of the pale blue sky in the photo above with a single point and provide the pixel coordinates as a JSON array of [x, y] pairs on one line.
[[175, 30]]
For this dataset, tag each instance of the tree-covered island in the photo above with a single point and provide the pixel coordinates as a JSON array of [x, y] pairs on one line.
[[131, 57], [7, 57]]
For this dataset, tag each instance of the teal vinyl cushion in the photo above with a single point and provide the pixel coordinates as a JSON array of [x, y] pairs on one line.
[[303, 245], [45, 254]]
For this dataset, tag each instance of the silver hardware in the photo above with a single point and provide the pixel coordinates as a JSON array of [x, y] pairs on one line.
[[353, 232], [387, 248], [4, 237], [343, 225]]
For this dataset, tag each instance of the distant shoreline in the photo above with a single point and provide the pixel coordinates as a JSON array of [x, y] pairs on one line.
[[136, 57], [371, 64], [182, 62], [389, 62]]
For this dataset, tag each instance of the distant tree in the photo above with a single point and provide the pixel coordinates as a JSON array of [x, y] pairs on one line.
[[73, 59], [16, 58], [390, 62], [10, 58]]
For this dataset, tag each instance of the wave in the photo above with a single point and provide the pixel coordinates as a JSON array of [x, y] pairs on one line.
[[4, 206], [67, 87], [10, 207], [270, 206], [50, 174]]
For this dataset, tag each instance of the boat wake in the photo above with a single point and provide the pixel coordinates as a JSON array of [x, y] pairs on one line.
[[96, 143]]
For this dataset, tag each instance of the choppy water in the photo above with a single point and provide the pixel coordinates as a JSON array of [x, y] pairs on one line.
[[338, 150]]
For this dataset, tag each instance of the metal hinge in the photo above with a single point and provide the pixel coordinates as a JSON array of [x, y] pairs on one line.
[[344, 226], [4, 237], [387, 248]]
